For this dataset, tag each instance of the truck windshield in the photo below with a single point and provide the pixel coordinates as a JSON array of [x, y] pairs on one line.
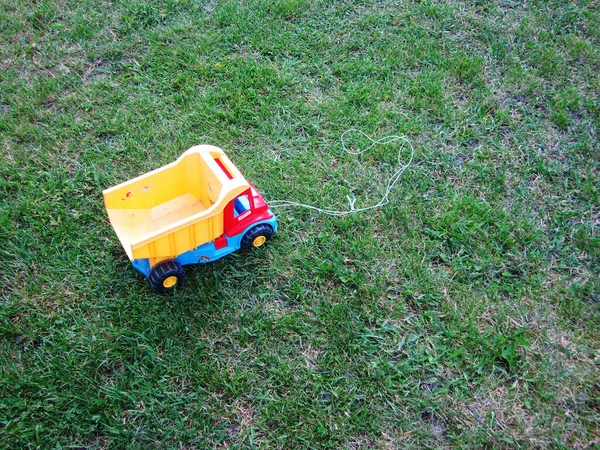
[[241, 205]]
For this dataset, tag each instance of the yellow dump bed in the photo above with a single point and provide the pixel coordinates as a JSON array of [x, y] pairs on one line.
[[177, 207]]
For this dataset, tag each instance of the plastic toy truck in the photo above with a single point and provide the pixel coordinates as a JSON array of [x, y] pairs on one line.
[[192, 211]]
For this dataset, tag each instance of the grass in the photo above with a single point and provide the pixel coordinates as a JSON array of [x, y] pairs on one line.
[[463, 314]]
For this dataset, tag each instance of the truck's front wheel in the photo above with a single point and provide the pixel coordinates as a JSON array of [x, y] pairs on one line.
[[166, 276], [257, 236]]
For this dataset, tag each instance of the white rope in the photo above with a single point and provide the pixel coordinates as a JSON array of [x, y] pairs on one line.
[[352, 200]]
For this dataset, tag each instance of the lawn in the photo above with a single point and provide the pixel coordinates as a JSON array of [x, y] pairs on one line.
[[464, 313]]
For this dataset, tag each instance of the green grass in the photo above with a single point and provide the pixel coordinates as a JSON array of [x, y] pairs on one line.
[[463, 314]]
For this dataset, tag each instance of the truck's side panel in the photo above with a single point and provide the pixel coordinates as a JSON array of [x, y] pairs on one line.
[[176, 241], [206, 252]]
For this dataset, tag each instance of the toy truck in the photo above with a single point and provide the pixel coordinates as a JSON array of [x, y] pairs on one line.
[[192, 211]]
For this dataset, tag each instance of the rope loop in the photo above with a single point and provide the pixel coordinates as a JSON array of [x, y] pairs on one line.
[[393, 179]]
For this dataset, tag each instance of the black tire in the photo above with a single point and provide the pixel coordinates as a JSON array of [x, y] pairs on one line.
[[253, 237], [166, 276]]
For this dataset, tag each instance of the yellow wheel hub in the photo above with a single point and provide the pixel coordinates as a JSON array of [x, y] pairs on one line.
[[170, 282], [258, 241]]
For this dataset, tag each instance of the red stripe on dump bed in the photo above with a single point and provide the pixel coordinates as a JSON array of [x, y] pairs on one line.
[[222, 166]]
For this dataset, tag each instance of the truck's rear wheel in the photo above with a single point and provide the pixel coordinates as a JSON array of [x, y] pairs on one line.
[[166, 276], [257, 236]]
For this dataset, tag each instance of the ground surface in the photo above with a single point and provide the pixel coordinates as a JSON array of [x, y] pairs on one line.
[[464, 313]]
